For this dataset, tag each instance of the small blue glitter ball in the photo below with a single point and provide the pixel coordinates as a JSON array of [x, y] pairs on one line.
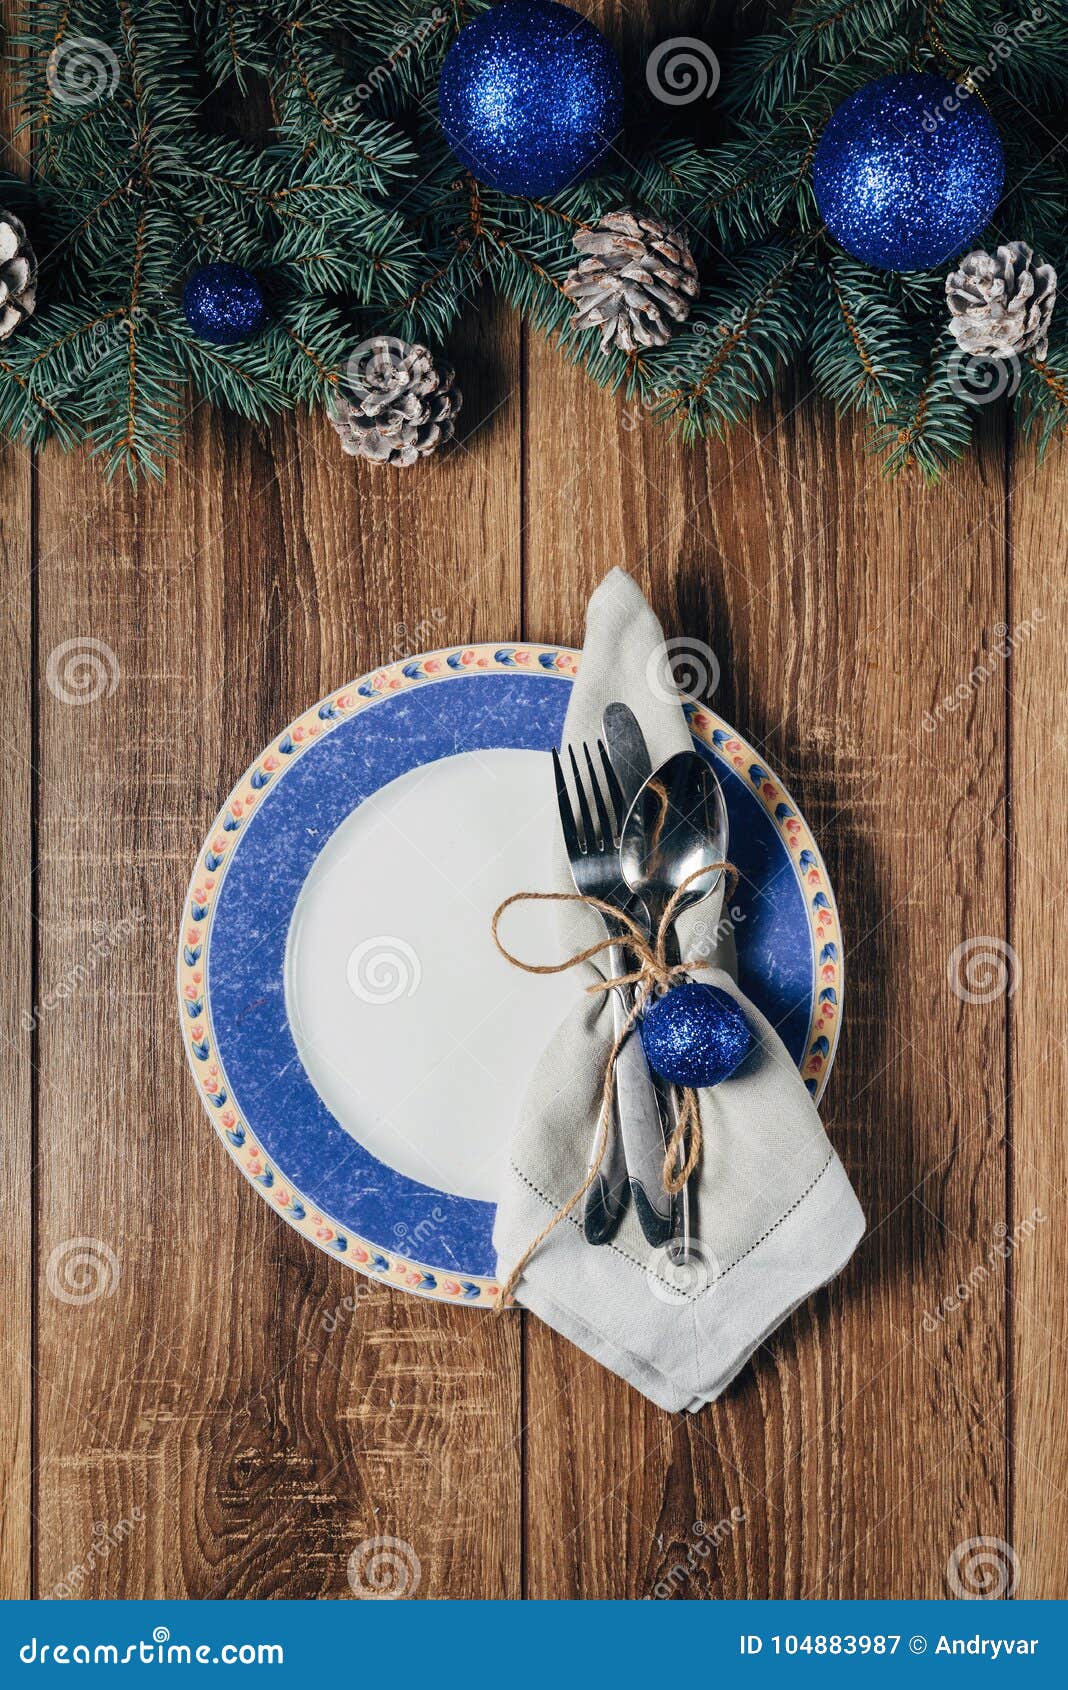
[[530, 97], [907, 172], [695, 1035], [223, 303]]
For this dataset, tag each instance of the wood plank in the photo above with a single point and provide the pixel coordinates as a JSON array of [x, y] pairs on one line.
[[1037, 1267], [232, 1426], [17, 1026], [860, 1448], [16, 976]]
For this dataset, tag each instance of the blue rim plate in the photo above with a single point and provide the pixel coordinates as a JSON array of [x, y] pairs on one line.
[[268, 834]]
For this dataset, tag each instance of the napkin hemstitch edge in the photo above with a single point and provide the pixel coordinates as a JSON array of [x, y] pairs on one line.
[[643, 1268]]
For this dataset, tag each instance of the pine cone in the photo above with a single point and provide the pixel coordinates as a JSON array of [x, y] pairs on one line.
[[635, 280], [394, 406], [18, 275], [1001, 306]]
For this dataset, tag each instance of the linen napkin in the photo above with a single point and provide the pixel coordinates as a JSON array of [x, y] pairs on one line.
[[773, 1215]]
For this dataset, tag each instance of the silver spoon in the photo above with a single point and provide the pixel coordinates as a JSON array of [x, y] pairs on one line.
[[676, 825]]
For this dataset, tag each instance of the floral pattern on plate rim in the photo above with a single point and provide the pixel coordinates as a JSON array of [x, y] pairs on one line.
[[436, 666]]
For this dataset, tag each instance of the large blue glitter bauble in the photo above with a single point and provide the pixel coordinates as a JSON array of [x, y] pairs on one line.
[[223, 303], [695, 1035], [907, 172], [530, 97]]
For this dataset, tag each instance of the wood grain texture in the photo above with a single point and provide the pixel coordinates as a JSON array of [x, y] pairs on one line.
[[16, 1027], [1037, 1252], [222, 1411], [217, 1408], [839, 608], [16, 974]]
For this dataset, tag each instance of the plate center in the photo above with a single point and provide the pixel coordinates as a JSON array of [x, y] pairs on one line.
[[418, 1036]]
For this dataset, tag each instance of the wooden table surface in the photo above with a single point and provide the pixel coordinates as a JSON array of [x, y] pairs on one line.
[[199, 1428]]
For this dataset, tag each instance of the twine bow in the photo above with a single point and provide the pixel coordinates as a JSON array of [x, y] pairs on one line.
[[653, 974]]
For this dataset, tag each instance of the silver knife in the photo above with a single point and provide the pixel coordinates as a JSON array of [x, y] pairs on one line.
[[643, 1134]]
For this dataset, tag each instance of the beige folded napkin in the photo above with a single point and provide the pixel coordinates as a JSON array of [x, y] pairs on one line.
[[773, 1213]]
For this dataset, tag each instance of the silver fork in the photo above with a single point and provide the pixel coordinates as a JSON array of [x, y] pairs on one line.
[[593, 855]]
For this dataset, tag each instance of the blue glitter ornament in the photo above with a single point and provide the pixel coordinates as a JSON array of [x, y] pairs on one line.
[[223, 303], [907, 172], [530, 97], [695, 1035]]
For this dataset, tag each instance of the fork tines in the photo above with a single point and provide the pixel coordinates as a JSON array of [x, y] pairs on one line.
[[580, 833]]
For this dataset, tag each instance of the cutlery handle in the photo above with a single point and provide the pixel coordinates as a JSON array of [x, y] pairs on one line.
[[681, 1242], [640, 1123], [607, 1195]]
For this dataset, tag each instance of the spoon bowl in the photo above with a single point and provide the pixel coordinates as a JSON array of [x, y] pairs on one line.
[[676, 826]]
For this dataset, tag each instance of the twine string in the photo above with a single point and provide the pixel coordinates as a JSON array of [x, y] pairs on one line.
[[652, 973]]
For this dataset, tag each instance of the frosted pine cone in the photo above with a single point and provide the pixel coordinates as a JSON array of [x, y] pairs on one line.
[[18, 275], [1001, 306], [634, 281], [394, 406]]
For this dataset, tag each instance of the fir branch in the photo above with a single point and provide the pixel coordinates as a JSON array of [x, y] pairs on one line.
[[931, 426], [358, 219]]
